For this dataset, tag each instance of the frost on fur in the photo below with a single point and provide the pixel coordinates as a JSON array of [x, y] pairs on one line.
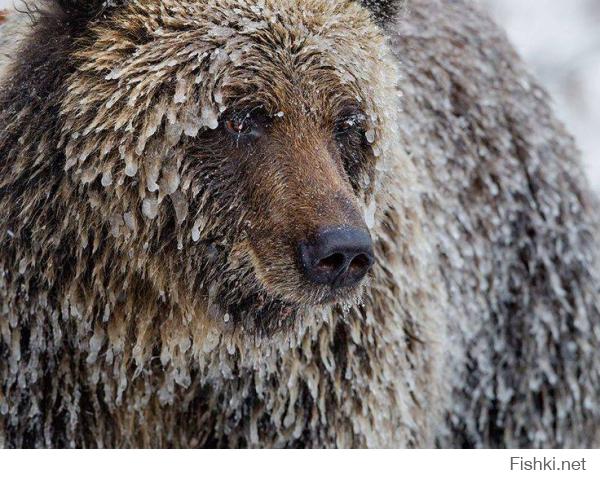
[[147, 295]]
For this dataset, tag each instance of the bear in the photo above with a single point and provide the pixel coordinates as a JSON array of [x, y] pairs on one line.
[[289, 223]]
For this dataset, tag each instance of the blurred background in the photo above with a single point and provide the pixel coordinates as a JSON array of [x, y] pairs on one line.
[[560, 40]]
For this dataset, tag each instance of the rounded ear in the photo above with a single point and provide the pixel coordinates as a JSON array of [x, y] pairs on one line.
[[384, 11], [84, 9]]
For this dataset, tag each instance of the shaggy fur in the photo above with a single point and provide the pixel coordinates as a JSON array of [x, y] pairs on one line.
[[516, 232], [148, 290]]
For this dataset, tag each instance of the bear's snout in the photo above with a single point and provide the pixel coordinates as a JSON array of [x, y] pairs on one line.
[[338, 257]]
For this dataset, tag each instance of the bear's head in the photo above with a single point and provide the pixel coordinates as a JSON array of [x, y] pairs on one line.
[[234, 149]]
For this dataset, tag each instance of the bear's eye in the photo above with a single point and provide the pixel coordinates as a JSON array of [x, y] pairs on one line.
[[245, 125], [350, 123], [238, 126]]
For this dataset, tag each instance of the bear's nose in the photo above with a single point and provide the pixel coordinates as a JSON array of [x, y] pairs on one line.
[[339, 257]]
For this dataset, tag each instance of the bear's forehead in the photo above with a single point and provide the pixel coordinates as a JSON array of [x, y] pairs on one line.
[[274, 51], [300, 36], [301, 16]]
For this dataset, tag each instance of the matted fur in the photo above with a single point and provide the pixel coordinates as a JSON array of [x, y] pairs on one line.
[[122, 273], [157, 364], [516, 231]]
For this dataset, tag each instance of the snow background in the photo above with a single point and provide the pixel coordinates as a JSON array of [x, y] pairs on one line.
[[560, 40]]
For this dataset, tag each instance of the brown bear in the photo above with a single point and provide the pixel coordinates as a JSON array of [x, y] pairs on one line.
[[268, 223]]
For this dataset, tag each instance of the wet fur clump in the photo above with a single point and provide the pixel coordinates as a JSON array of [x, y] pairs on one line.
[[160, 163]]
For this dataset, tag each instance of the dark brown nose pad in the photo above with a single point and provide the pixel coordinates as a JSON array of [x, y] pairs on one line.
[[338, 257]]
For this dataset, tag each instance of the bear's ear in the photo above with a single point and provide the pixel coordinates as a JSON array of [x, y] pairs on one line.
[[84, 9], [384, 11]]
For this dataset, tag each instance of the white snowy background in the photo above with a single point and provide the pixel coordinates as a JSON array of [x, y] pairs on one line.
[[560, 40]]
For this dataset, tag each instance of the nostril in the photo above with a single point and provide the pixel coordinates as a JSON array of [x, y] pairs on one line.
[[332, 264], [360, 264]]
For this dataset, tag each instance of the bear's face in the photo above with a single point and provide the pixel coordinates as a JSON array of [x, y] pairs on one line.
[[233, 147]]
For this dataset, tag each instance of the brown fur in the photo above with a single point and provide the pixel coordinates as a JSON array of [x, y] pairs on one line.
[[150, 293], [171, 261]]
